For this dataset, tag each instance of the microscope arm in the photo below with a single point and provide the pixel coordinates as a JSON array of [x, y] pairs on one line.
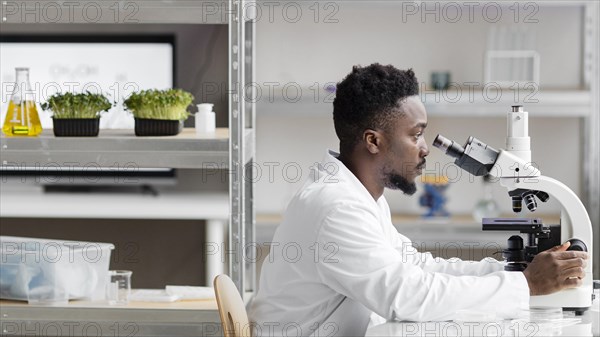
[[575, 222], [514, 173]]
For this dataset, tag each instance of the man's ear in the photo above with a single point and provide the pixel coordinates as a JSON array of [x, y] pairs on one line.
[[373, 140]]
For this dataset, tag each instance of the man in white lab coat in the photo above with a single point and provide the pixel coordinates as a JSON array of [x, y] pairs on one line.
[[336, 258]]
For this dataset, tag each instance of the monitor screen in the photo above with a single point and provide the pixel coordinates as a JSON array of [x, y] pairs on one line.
[[112, 65]]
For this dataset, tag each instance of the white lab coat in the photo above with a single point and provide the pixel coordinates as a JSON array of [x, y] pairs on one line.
[[336, 257]]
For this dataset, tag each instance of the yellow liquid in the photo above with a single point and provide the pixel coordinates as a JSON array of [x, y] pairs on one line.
[[22, 120]]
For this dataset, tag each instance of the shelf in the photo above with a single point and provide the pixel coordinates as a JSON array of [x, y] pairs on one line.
[[120, 149], [174, 205], [446, 104], [115, 12], [541, 104], [417, 221], [503, 4], [458, 229], [459, 221]]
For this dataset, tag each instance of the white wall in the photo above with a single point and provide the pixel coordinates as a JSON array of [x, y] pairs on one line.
[[306, 52], [367, 32]]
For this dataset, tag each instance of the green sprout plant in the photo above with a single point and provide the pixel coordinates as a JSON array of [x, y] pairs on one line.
[[76, 106], [170, 104]]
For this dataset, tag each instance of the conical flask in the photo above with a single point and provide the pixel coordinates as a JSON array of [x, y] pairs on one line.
[[22, 118]]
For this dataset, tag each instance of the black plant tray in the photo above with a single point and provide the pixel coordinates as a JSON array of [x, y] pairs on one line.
[[157, 127], [76, 127]]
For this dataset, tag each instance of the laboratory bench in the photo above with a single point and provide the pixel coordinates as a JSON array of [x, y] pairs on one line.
[[200, 318], [569, 325], [84, 318]]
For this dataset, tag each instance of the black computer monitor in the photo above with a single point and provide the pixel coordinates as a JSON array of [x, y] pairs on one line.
[[115, 65]]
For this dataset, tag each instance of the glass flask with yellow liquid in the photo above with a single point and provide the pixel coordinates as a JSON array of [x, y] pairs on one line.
[[22, 118]]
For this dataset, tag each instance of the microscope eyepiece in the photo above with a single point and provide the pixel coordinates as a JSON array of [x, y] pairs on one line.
[[449, 147], [475, 156]]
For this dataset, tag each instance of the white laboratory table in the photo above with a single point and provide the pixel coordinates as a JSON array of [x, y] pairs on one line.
[[82, 318], [570, 325]]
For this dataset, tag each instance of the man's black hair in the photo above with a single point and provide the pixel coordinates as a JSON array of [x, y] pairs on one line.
[[368, 98]]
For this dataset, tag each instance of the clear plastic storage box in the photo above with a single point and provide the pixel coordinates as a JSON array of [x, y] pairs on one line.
[[45, 271]]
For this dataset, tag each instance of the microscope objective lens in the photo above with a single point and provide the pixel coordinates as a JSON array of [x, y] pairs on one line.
[[530, 202], [517, 204]]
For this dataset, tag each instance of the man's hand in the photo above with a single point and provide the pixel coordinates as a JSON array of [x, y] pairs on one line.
[[555, 269]]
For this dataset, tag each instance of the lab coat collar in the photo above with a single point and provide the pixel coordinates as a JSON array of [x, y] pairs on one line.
[[345, 173]]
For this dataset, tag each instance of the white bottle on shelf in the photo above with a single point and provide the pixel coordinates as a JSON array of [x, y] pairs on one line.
[[205, 119]]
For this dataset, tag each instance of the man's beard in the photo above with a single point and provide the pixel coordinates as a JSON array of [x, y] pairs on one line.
[[395, 181]]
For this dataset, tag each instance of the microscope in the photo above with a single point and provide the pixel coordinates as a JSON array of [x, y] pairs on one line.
[[513, 169]]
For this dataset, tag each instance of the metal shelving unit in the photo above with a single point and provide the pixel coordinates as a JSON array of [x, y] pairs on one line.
[[231, 149], [241, 117]]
